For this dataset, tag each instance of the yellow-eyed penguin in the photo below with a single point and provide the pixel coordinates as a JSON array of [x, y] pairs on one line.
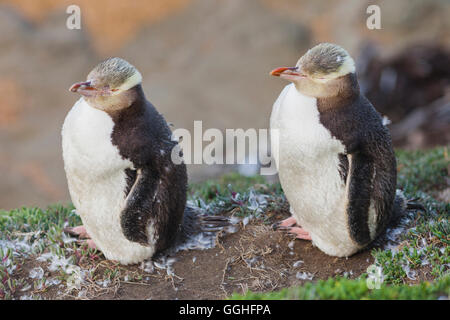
[[336, 162], [117, 150]]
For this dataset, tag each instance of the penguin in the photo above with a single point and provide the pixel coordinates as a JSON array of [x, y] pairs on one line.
[[335, 158], [117, 152]]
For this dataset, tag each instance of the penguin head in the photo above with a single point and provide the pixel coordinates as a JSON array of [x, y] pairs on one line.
[[110, 85], [320, 71]]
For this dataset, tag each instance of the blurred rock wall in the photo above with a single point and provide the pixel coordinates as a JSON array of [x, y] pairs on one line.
[[201, 60]]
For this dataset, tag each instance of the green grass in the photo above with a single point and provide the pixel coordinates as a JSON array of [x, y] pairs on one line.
[[423, 171], [233, 182], [26, 220], [243, 196], [342, 288], [425, 245], [28, 232]]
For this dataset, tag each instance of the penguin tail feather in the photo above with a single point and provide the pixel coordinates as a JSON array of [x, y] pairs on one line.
[[401, 207], [198, 230], [194, 223], [400, 210]]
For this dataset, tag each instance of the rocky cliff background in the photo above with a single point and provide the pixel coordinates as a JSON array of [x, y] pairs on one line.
[[206, 60]]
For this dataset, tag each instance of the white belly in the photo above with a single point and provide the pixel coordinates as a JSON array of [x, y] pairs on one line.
[[96, 180], [308, 167]]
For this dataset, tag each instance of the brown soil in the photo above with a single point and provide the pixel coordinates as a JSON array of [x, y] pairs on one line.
[[255, 258]]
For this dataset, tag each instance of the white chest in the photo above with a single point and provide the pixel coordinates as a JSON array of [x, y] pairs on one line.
[[87, 145], [301, 135]]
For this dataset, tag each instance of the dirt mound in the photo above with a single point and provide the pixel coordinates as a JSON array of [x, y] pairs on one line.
[[255, 258]]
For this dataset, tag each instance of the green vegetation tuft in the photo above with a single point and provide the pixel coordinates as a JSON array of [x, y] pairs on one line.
[[25, 220], [423, 170], [346, 289], [210, 189]]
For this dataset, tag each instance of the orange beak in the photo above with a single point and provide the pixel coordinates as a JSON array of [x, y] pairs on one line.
[[278, 71], [85, 86], [87, 89], [292, 73]]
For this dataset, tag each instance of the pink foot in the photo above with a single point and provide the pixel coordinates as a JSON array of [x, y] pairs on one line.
[[300, 233], [91, 244], [79, 232], [288, 222]]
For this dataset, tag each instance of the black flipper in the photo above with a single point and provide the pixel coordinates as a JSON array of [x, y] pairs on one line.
[[359, 196], [148, 202], [141, 204]]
